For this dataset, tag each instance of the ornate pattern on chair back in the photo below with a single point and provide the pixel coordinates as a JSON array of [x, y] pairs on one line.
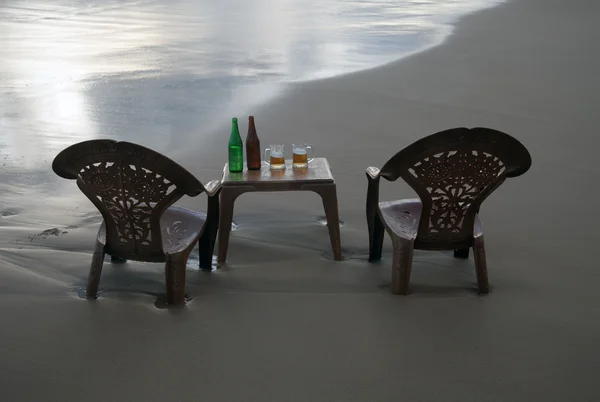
[[453, 171], [131, 186]]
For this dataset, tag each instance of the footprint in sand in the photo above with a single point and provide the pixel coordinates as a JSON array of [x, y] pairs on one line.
[[9, 212], [48, 232]]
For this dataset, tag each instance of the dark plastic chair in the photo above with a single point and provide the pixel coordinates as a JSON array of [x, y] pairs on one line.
[[134, 187], [452, 172]]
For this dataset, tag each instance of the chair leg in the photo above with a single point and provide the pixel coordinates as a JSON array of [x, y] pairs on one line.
[[481, 265], [376, 235], [462, 253], [206, 243], [401, 266], [205, 249], [91, 291], [374, 224], [175, 268]]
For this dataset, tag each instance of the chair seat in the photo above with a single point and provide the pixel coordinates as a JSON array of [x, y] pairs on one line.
[[179, 227], [402, 217]]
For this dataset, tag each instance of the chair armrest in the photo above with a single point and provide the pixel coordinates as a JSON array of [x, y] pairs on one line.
[[213, 187], [373, 178], [373, 172]]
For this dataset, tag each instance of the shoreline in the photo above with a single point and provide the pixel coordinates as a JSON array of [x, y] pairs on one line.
[[449, 28], [446, 31], [282, 321], [282, 89]]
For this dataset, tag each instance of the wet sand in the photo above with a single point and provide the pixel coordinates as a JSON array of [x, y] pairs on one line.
[[282, 321]]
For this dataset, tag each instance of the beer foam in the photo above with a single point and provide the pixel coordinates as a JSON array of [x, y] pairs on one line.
[[300, 151], [276, 154]]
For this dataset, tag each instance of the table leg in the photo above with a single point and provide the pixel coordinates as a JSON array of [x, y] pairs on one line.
[[329, 196], [227, 202]]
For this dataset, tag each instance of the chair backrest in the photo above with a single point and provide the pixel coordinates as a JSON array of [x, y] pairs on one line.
[[453, 171], [131, 186]]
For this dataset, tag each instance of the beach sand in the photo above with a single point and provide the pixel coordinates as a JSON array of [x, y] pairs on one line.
[[282, 321]]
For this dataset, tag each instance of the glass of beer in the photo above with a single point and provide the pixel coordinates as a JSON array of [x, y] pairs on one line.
[[276, 157], [300, 154]]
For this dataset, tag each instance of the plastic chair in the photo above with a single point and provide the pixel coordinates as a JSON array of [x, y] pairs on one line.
[[134, 187], [452, 172]]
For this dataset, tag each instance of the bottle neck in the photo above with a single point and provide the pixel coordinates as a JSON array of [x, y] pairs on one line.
[[234, 127], [251, 127]]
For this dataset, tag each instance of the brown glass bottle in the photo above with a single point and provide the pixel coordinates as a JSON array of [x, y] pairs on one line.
[[253, 156]]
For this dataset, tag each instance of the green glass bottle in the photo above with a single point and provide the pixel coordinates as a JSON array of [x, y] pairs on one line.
[[236, 148]]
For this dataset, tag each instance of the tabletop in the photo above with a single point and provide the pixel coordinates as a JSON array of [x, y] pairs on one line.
[[318, 171]]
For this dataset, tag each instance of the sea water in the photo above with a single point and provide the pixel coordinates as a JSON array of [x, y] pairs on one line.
[[153, 71]]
